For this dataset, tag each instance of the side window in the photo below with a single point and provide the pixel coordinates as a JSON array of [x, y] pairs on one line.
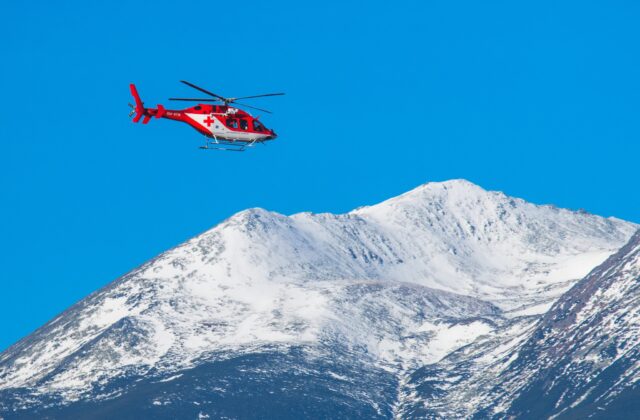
[[244, 125], [197, 107], [232, 123], [257, 126]]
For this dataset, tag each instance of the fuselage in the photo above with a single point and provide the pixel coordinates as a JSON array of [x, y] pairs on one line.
[[222, 122]]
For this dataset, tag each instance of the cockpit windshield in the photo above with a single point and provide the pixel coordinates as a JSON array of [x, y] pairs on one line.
[[257, 126]]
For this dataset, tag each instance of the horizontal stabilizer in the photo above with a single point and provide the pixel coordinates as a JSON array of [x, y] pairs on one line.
[[160, 112]]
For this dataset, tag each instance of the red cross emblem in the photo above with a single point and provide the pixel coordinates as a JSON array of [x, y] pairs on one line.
[[208, 121]]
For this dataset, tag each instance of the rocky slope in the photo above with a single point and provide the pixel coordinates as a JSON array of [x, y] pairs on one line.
[[581, 359]]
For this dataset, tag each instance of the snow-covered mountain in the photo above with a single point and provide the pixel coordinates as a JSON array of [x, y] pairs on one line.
[[370, 313]]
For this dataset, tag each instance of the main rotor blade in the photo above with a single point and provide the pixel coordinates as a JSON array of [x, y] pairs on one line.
[[256, 96], [204, 91], [195, 99], [253, 107]]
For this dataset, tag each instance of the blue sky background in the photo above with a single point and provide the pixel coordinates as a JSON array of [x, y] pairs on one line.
[[538, 99]]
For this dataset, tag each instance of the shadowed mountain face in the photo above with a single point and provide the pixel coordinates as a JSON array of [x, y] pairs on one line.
[[584, 356], [399, 309], [580, 359]]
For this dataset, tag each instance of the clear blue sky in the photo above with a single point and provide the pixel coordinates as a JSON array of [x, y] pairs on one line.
[[539, 99]]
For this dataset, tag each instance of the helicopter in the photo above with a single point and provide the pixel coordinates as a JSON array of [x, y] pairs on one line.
[[225, 126]]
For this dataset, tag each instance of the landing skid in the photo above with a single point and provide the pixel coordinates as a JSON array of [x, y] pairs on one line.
[[227, 145]]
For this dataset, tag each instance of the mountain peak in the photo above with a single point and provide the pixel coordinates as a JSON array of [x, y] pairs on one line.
[[452, 193], [458, 183], [442, 188]]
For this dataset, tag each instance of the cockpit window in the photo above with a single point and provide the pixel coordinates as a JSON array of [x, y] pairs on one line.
[[232, 123], [197, 107], [257, 126], [244, 125]]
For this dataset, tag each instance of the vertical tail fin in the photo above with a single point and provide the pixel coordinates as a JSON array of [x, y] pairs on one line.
[[139, 110]]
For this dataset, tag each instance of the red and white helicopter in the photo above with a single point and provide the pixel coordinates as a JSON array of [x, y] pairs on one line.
[[225, 127]]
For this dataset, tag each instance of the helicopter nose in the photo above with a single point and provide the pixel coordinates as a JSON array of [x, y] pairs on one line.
[[273, 134]]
